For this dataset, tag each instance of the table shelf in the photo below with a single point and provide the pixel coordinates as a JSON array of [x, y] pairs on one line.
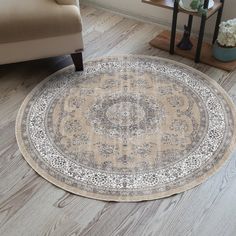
[[169, 4], [162, 41]]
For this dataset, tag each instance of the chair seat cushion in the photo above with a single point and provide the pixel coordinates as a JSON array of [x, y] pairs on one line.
[[22, 20]]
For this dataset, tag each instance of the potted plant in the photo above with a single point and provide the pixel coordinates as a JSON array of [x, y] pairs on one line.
[[195, 5], [224, 48]]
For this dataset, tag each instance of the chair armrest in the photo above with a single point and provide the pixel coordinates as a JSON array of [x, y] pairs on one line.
[[68, 2]]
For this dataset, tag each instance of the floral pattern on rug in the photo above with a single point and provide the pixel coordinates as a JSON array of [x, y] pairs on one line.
[[127, 128]]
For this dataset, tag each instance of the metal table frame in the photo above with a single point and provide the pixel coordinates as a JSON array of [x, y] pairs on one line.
[[202, 27]]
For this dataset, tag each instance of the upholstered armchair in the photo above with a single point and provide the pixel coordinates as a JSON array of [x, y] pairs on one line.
[[33, 29]]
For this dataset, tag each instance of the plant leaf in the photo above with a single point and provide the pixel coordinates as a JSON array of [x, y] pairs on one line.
[[195, 4]]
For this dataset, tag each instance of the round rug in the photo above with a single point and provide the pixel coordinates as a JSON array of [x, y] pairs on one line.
[[128, 128]]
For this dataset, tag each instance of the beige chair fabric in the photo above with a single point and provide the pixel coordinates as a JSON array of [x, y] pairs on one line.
[[40, 48], [26, 22], [34, 19]]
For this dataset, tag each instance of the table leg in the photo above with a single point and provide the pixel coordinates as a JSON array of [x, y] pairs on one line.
[[190, 22], [218, 19], [173, 28], [200, 38]]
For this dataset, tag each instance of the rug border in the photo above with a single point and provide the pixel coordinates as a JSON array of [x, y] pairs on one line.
[[104, 197]]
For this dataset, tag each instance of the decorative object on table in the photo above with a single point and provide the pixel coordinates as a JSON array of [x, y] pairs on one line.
[[185, 43], [225, 46], [195, 5], [128, 128]]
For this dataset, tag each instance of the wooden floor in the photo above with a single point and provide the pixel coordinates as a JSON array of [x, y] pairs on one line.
[[29, 205]]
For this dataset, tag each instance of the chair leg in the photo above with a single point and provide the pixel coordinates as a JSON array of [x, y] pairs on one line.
[[78, 61]]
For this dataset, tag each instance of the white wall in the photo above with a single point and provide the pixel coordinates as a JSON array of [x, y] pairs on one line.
[[155, 14]]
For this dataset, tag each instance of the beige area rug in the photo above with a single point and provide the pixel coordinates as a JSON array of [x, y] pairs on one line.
[[128, 128]]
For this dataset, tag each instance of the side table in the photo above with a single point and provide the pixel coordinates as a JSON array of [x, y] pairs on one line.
[[218, 7]]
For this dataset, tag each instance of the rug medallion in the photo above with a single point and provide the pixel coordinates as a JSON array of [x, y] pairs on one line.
[[128, 128]]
